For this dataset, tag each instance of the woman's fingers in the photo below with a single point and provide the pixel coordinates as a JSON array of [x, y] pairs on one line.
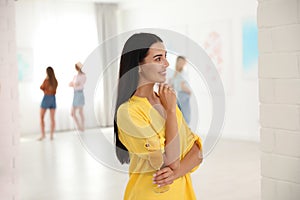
[[163, 87], [168, 179], [160, 89], [167, 96], [164, 177], [166, 88], [162, 171]]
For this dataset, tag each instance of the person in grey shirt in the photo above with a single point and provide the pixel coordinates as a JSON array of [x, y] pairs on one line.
[[179, 83]]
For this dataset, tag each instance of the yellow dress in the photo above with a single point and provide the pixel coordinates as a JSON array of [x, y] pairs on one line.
[[142, 131]]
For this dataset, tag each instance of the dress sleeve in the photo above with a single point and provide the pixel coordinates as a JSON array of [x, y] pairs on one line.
[[141, 138], [187, 138], [198, 141]]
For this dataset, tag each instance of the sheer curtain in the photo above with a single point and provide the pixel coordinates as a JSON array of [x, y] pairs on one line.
[[59, 34], [104, 98]]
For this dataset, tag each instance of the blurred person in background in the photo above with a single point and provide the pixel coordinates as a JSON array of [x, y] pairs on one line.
[[49, 87], [78, 99], [179, 83]]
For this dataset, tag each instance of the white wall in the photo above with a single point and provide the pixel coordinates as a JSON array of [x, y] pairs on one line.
[[57, 34], [9, 120], [279, 94], [189, 17], [35, 20]]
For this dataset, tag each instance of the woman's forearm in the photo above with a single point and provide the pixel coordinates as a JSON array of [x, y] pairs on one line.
[[192, 159], [167, 175], [172, 143]]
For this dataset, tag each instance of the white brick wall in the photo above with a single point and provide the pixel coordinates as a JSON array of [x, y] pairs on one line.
[[280, 167], [267, 140], [280, 116], [9, 122], [270, 66], [274, 13], [287, 91], [287, 143], [264, 41], [279, 190], [286, 38], [279, 94], [280, 142]]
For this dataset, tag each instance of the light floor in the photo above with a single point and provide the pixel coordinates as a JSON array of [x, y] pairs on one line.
[[75, 167]]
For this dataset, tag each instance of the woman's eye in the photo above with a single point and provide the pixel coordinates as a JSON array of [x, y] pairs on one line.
[[158, 59]]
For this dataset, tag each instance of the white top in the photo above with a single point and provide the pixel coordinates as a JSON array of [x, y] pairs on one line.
[[79, 81]]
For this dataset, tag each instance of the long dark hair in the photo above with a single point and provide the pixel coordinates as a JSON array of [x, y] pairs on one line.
[[52, 79], [134, 51]]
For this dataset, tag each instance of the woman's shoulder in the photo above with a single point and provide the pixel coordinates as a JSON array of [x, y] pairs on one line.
[[123, 106], [129, 106], [127, 112], [135, 106]]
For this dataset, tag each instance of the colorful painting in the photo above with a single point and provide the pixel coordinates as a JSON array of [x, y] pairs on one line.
[[215, 38], [25, 68], [250, 48]]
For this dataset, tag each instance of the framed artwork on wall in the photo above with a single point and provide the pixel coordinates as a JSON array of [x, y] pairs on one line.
[[216, 39], [25, 64], [250, 48]]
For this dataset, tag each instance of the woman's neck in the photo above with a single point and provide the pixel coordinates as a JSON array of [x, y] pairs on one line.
[[146, 91]]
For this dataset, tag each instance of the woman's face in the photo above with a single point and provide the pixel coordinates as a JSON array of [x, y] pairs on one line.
[[180, 64], [154, 67]]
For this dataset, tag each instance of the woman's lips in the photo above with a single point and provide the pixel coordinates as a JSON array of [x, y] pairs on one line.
[[164, 73]]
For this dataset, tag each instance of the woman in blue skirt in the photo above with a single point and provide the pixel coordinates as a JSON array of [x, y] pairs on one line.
[[49, 87], [78, 100]]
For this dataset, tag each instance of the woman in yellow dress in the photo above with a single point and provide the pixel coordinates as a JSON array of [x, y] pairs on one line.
[[150, 131]]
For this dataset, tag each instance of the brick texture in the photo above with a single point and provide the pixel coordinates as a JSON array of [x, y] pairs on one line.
[[279, 95], [9, 122]]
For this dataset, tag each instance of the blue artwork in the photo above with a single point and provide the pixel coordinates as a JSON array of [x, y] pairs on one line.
[[250, 47], [24, 60]]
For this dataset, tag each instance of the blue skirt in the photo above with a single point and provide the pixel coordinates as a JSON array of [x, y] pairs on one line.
[[183, 101], [48, 102], [78, 99]]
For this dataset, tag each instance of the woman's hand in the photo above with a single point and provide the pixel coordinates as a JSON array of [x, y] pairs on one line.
[[172, 144], [167, 97], [164, 176]]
